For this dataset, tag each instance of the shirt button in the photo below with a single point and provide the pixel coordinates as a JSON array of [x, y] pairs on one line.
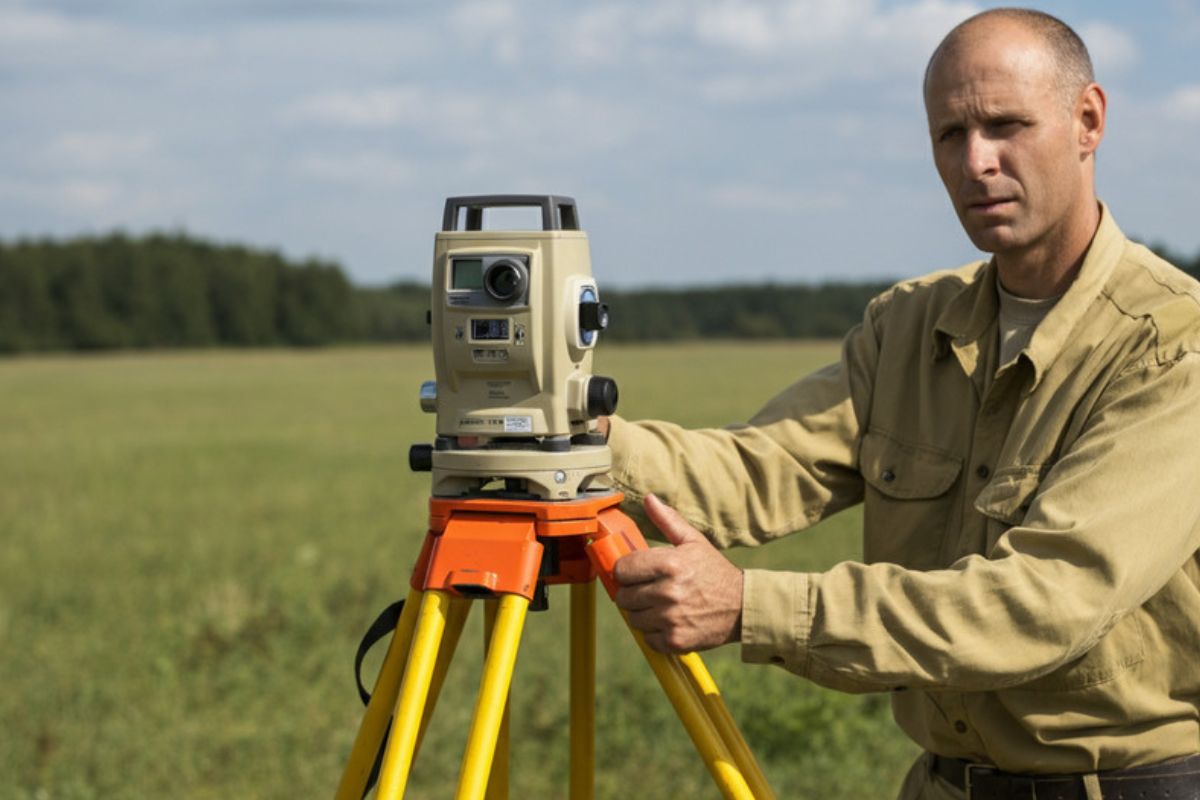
[[982, 471], [960, 726], [888, 476]]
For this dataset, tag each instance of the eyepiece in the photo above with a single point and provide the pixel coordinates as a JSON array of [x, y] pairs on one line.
[[505, 280]]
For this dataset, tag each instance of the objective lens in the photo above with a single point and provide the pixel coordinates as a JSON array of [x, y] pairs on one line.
[[504, 280]]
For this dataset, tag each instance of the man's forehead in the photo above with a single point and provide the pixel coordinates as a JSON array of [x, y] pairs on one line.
[[996, 69]]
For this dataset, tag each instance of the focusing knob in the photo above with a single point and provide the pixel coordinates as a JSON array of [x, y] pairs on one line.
[[593, 316], [601, 396], [420, 457]]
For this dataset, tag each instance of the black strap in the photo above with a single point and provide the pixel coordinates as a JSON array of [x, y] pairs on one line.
[[384, 624]]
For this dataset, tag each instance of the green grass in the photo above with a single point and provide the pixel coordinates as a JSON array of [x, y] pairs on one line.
[[192, 544]]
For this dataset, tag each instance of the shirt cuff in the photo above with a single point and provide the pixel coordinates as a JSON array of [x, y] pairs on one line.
[[777, 613], [626, 455]]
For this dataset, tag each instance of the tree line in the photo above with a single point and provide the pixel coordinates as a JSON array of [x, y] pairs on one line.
[[175, 290]]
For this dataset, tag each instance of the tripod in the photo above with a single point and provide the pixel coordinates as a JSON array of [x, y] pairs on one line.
[[505, 552]]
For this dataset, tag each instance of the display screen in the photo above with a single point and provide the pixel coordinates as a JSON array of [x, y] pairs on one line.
[[491, 330], [467, 274]]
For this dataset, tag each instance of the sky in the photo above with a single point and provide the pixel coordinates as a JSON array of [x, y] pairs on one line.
[[705, 141]]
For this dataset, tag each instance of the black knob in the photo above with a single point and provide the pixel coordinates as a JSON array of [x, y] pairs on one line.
[[601, 396], [420, 457], [593, 316]]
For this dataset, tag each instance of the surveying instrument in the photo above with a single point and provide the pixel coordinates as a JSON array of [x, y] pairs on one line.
[[515, 317]]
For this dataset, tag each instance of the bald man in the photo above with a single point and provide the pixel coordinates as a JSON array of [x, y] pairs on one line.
[[1022, 433]]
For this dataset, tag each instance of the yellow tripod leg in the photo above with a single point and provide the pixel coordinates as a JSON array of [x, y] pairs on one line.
[[379, 709], [710, 698], [675, 682], [583, 690], [456, 618], [418, 673], [493, 692], [497, 787]]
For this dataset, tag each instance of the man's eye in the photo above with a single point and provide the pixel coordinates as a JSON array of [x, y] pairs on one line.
[[949, 134]]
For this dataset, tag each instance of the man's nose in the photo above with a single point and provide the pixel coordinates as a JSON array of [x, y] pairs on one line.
[[980, 156]]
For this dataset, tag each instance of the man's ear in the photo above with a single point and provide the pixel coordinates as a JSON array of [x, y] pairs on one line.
[[1090, 111]]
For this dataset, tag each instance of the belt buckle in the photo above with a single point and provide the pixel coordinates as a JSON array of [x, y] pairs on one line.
[[1024, 787], [968, 777]]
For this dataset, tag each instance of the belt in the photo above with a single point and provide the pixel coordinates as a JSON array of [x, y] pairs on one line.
[[1178, 779]]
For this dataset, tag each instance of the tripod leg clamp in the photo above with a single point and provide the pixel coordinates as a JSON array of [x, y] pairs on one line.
[[618, 536]]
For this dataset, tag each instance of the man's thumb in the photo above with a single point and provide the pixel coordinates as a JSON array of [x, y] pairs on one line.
[[671, 523]]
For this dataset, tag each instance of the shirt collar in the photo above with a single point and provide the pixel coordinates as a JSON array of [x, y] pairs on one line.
[[969, 314]]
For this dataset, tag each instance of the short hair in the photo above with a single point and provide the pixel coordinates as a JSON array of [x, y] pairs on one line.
[[1067, 48]]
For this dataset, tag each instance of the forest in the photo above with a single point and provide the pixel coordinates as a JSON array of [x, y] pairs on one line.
[[174, 290]]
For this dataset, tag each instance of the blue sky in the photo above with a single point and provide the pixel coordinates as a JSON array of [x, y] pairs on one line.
[[706, 141]]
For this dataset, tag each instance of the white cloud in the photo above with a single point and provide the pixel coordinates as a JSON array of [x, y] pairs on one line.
[[909, 33], [620, 32], [25, 26], [494, 24], [787, 49], [1112, 49], [740, 25], [553, 121], [1183, 104], [600, 35], [793, 27], [484, 17]]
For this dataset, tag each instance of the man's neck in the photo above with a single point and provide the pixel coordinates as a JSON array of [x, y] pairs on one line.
[[1048, 266]]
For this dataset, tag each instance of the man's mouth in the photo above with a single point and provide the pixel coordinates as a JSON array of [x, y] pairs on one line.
[[990, 205]]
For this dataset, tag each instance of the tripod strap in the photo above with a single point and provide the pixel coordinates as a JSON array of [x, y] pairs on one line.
[[384, 624]]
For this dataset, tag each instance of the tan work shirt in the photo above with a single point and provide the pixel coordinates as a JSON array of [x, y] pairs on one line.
[[1031, 591]]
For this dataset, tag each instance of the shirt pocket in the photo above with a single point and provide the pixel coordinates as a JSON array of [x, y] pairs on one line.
[[1006, 499], [1005, 502], [907, 502]]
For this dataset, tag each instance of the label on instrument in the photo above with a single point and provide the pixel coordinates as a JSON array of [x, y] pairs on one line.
[[518, 424]]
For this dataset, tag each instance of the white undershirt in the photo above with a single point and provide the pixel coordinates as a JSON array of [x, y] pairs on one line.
[[1019, 318]]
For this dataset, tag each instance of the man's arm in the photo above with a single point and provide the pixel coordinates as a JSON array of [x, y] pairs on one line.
[[794, 463], [1114, 519]]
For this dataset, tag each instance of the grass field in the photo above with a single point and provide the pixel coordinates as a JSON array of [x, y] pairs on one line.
[[191, 546]]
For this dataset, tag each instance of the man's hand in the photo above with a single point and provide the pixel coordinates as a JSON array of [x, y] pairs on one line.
[[683, 598]]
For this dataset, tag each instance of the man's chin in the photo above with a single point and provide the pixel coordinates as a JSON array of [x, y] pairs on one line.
[[993, 239]]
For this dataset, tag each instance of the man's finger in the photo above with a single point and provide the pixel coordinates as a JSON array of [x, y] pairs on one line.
[[677, 530], [640, 566], [647, 621], [638, 596]]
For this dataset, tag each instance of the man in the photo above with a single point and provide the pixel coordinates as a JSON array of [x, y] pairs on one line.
[[1022, 433]]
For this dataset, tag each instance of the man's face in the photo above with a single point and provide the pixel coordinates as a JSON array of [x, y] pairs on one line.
[[1005, 141]]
